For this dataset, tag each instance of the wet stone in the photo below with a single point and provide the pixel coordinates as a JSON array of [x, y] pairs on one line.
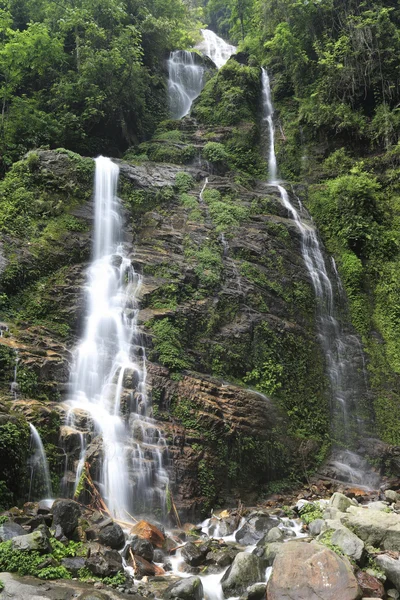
[[195, 555]]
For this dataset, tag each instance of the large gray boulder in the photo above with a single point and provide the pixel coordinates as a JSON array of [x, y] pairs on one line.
[[349, 543], [310, 571], [391, 567], [375, 528], [10, 530], [186, 589], [245, 570], [37, 540], [256, 526], [341, 502]]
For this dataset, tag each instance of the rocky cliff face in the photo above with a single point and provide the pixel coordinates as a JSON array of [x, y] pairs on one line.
[[235, 369]]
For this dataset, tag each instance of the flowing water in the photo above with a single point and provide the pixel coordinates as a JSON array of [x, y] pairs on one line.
[[342, 350], [108, 379], [215, 48], [186, 79], [186, 73], [40, 483]]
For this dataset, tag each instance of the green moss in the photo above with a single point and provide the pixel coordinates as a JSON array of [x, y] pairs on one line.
[[225, 212], [168, 347]]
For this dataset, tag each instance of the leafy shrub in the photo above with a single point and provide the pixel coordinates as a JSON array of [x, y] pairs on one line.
[[310, 512], [215, 152], [183, 181]]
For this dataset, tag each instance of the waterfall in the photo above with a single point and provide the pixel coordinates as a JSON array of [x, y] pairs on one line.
[[108, 379], [215, 48], [40, 483], [186, 74], [342, 350], [185, 82]]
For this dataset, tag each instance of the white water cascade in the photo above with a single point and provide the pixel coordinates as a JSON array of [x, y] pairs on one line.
[[342, 350], [185, 82], [186, 73], [40, 482], [108, 379], [215, 48]]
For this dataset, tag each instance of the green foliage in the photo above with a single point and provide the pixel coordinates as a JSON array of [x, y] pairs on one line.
[[225, 212], [207, 263], [215, 152], [14, 443], [29, 563], [230, 96], [1, 585], [53, 61], [326, 539], [183, 181], [60, 550], [168, 346], [115, 580], [310, 512]]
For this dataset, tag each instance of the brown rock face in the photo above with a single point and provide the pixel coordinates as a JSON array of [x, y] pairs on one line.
[[149, 532], [311, 571], [370, 585]]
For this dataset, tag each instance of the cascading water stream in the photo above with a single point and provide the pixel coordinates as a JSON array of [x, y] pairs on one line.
[[108, 379], [215, 48], [186, 72], [342, 351], [40, 482], [185, 82]]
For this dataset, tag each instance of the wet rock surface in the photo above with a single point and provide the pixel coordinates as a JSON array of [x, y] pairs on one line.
[[312, 571], [245, 570], [29, 588], [186, 589]]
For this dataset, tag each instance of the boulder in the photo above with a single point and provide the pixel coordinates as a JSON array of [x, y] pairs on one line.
[[149, 532], [375, 528], [313, 572], [195, 555], [349, 543], [371, 586], [316, 526], [103, 561], [66, 513], [341, 502], [221, 527], [392, 496], [391, 567], [256, 526], [73, 564], [144, 549], [378, 505], [274, 535], [37, 540], [186, 589], [245, 570], [222, 558], [145, 568], [10, 530], [112, 536], [255, 592]]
